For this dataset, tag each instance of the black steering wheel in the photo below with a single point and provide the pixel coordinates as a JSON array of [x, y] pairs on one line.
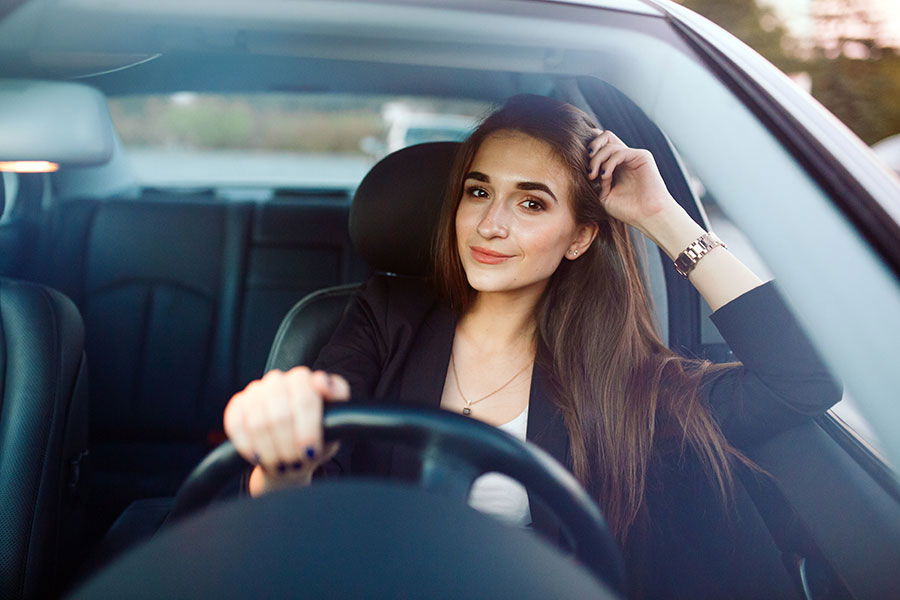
[[455, 450]]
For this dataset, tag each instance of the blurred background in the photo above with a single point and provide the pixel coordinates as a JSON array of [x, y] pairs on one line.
[[846, 53]]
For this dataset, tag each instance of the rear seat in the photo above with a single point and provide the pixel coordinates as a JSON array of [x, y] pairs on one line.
[[181, 300], [294, 250]]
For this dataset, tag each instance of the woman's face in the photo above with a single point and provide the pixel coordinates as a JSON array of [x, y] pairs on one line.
[[515, 221]]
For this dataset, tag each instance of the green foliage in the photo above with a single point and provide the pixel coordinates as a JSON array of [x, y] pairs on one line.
[[863, 93], [757, 26]]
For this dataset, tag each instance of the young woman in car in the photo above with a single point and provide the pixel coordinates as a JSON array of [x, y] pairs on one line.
[[537, 320]]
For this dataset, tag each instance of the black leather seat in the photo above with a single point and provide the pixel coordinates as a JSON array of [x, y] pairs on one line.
[[43, 437], [415, 202], [181, 295], [158, 284], [309, 324]]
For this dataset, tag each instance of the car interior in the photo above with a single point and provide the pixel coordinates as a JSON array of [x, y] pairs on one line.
[[130, 313]]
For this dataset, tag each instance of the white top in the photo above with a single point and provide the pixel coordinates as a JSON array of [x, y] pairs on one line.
[[499, 495]]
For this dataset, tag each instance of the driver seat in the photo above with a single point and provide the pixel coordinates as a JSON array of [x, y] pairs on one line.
[[43, 437], [406, 187], [393, 219]]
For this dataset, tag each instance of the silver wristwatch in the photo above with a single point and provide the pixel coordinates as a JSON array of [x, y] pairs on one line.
[[690, 256]]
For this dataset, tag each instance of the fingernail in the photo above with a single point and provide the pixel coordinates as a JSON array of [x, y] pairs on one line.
[[590, 150], [603, 171], [310, 452], [331, 382], [282, 467], [297, 465]]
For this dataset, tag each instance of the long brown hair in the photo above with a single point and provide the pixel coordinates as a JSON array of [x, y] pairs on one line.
[[623, 393]]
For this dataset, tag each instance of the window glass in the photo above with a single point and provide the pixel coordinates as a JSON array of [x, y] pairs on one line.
[[739, 245], [277, 140]]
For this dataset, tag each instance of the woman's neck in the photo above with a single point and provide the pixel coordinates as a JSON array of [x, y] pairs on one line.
[[498, 321]]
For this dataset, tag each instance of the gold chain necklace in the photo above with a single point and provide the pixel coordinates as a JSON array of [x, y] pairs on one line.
[[467, 410]]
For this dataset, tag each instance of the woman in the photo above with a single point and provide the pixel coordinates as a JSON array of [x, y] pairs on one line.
[[544, 301]]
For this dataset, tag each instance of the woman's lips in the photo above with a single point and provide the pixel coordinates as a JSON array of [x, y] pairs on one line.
[[488, 257]]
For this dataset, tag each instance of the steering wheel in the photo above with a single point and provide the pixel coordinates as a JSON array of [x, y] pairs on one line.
[[454, 451]]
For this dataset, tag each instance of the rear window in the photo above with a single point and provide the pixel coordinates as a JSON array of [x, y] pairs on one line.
[[277, 140]]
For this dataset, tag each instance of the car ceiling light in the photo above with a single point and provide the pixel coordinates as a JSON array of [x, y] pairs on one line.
[[29, 166]]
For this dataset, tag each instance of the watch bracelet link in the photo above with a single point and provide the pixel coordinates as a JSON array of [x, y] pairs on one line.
[[690, 256]]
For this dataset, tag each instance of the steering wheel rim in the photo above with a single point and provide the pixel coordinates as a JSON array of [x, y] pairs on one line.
[[455, 450]]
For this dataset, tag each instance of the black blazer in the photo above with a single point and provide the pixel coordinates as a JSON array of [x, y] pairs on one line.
[[395, 342]]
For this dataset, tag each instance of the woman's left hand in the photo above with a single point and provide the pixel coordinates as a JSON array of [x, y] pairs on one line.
[[639, 191]]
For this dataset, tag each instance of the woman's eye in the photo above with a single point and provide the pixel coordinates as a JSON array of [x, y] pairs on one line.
[[477, 192], [533, 205]]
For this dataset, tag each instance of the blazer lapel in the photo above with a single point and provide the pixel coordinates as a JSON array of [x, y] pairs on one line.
[[547, 429], [422, 384]]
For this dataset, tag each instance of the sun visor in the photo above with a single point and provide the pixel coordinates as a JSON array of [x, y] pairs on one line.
[[62, 123]]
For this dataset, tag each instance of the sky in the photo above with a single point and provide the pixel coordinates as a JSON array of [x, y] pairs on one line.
[[796, 15]]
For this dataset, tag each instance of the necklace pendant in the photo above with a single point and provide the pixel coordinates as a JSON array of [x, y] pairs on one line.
[[467, 411]]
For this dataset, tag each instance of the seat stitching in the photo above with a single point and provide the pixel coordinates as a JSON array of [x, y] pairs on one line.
[[54, 326]]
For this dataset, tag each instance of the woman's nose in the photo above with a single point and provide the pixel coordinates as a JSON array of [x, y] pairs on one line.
[[495, 221]]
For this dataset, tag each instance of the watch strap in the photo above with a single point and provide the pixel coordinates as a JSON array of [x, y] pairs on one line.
[[690, 256]]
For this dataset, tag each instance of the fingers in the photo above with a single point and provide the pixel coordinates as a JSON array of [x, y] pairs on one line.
[[277, 421], [280, 418], [600, 148], [597, 142], [261, 442], [340, 389], [269, 416], [236, 429], [307, 404], [597, 166], [330, 386], [615, 158]]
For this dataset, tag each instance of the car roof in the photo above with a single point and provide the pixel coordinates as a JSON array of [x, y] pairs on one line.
[[376, 47]]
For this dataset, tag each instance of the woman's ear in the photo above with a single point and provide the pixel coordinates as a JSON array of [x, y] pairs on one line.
[[584, 237]]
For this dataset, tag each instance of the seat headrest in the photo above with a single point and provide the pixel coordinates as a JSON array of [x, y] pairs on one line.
[[396, 207]]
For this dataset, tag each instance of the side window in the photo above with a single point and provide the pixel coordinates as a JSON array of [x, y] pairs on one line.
[[846, 410]]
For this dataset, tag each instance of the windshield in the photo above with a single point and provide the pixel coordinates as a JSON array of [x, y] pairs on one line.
[[278, 140]]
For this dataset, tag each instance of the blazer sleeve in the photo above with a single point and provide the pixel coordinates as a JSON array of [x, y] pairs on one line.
[[356, 351], [781, 381]]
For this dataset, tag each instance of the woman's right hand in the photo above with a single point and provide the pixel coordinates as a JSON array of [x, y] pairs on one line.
[[276, 423]]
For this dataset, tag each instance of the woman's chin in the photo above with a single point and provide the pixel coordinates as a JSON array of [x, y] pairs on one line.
[[489, 282], [497, 283]]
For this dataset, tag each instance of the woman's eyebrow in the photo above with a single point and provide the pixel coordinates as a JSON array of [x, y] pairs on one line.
[[534, 185], [522, 185]]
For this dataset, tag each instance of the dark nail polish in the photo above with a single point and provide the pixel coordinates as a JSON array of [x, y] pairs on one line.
[[297, 465], [311, 452], [282, 467], [591, 151], [603, 171]]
